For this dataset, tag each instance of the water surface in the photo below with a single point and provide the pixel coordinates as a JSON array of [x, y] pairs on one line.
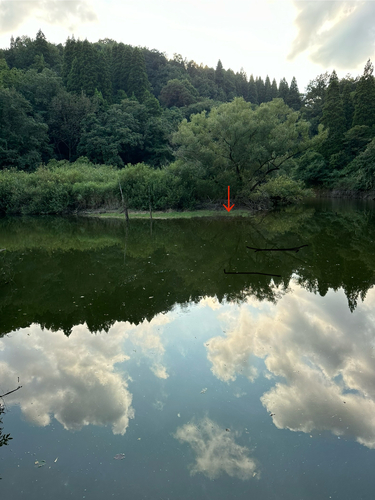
[[148, 373]]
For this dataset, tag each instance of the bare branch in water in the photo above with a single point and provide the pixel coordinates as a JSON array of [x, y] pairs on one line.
[[294, 249], [10, 392], [248, 272]]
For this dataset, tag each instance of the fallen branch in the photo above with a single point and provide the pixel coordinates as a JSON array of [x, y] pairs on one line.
[[10, 392], [248, 272], [294, 249]]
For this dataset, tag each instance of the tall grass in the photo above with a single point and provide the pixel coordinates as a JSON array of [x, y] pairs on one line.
[[63, 187]]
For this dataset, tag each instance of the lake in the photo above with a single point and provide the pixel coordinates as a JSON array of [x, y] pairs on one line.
[[147, 372]]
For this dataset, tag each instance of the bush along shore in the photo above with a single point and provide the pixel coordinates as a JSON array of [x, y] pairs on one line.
[[62, 188]]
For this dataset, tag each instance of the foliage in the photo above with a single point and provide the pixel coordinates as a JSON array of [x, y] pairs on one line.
[[23, 137], [178, 93], [333, 118], [241, 146], [283, 190], [360, 173], [365, 98]]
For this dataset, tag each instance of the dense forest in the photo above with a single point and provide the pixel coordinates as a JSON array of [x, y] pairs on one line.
[[86, 125]]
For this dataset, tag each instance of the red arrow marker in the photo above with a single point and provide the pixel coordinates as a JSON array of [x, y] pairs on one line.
[[228, 208]]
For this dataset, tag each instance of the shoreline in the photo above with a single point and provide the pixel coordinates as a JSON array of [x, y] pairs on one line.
[[169, 214]]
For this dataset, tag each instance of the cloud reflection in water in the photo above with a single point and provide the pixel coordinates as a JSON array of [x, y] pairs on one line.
[[216, 451], [323, 354]]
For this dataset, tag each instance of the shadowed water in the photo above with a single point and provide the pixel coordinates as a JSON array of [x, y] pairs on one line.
[[147, 372]]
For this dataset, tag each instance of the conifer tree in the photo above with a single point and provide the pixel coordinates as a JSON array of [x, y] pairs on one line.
[[333, 117], [121, 65], [284, 90], [138, 83], [230, 84], [104, 80], [347, 101], [116, 67], [41, 47], [294, 98], [74, 81], [88, 61], [69, 54], [126, 66], [274, 89], [219, 75], [252, 95], [260, 89], [267, 90], [242, 85], [364, 98]]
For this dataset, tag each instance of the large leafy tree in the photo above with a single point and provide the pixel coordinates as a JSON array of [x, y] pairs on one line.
[[23, 137], [178, 93], [110, 136], [240, 145], [66, 114], [39, 89]]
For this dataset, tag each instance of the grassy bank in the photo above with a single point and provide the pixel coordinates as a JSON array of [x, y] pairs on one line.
[[170, 214], [62, 188]]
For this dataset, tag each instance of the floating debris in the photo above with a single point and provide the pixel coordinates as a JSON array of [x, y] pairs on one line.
[[139, 439], [40, 463], [203, 391], [119, 456], [178, 415]]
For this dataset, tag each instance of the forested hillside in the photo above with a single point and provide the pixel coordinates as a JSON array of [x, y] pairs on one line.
[[172, 132]]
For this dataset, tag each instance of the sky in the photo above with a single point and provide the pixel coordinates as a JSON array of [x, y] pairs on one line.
[[279, 38]]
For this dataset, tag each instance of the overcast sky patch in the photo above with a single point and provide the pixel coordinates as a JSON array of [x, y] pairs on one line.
[[69, 13], [339, 34]]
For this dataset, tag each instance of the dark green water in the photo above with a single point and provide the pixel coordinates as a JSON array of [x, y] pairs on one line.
[[214, 386]]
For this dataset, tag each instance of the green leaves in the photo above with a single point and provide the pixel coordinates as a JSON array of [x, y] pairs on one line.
[[240, 144]]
